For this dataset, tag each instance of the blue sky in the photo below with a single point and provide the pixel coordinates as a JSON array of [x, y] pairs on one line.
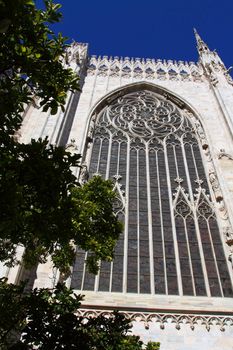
[[150, 28]]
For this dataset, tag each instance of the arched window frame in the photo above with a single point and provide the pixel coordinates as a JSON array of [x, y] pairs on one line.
[[211, 175]]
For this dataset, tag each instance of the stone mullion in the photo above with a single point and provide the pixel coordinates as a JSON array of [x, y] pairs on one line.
[[161, 221], [176, 249], [125, 261], [150, 230], [109, 157], [117, 173], [99, 156], [84, 271], [138, 226]]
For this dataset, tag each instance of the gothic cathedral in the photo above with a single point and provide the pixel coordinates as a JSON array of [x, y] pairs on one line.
[[162, 130]]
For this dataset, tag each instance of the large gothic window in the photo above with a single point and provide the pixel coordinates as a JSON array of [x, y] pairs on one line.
[[171, 243]]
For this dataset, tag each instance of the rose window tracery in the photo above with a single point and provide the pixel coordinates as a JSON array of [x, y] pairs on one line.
[[144, 116]]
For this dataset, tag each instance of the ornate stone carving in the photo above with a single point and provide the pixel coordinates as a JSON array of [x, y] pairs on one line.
[[222, 210], [75, 53], [228, 234], [143, 115], [228, 77], [213, 79], [230, 257], [91, 131], [201, 135], [224, 154], [177, 319], [148, 69], [84, 175], [215, 185], [119, 204], [181, 202], [72, 147]]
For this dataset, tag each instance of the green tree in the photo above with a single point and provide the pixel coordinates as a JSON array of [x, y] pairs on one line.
[[46, 320], [43, 207]]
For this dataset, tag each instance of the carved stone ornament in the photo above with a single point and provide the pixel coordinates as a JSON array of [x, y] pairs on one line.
[[84, 174], [119, 203], [212, 75], [148, 69], [230, 257], [181, 202], [228, 77], [228, 234], [177, 319], [75, 53], [215, 185], [224, 154], [222, 210], [143, 115], [90, 131], [71, 146], [213, 79], [201, 134]]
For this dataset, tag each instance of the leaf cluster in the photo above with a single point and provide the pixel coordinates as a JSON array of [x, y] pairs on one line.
[[46, 320], [44, 209]]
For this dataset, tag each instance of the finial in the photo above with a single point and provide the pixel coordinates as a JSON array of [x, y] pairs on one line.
[[201, 45], [196, 33]]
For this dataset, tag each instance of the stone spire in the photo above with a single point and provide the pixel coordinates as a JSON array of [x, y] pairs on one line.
[[210, 60], [201, 45], [212, 64]]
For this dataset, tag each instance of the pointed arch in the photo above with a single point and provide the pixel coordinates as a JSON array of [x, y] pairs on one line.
[[151, 140]]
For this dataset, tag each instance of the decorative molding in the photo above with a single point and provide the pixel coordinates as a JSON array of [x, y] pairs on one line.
[[177, 319]]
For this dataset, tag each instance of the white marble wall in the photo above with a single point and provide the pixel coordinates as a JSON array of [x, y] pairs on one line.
[[202, 97]]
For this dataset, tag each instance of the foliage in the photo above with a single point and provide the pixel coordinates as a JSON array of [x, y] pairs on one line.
[[30, 60], [53, 324], [45, 210], [43, 207]]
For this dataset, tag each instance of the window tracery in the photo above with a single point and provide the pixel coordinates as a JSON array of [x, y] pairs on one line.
[[171, 243]]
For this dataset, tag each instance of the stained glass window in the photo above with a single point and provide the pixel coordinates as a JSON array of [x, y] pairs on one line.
[[171, 243]]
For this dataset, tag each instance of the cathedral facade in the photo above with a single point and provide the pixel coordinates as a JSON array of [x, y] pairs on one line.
[[162, 130]]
